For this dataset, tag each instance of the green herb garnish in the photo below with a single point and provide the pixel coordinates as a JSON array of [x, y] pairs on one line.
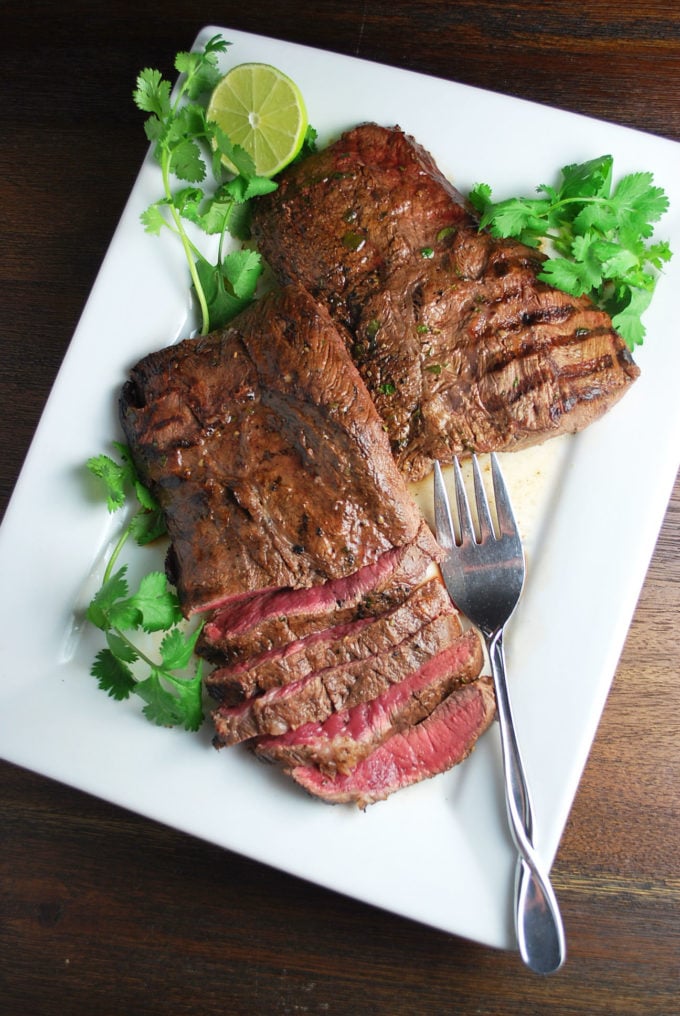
[[599, 233], [184, 141], [172, 698]]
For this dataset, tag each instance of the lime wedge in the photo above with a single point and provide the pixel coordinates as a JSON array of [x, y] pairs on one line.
[[261, 109]]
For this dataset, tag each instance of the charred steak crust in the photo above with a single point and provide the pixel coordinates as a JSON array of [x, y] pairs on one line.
[[461, 346], [266, 454]]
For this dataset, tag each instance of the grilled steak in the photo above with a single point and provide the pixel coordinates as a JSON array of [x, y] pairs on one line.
[[331, 647], [266, 454], [315, 696], [346, 737], [461, 346], [441, 741], [293, 530]]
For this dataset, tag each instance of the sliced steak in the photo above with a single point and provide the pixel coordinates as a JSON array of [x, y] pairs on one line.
[[346, 737], [461, 346], [313, 698], [266, 454], [270, 622], [441, 741], [331, 647]]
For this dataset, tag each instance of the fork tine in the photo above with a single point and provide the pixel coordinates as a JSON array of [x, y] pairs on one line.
[[446, 534], [467, 531], [486, 531], [506, 517]]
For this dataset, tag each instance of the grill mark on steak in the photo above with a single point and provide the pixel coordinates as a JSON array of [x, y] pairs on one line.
[[426, 332], [332, 647], [314, 697], [346, 737], [247, 434], [442, 740]]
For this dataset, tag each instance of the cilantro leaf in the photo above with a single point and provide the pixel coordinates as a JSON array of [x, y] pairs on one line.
[[121, 647], [147, 526], [598, 231], [243, 188], [114, 477], [118, 478], [628, 321], [113, 675], [514, 218], [636, 198], [586, 179], [171, 698], [201, 68], [185, 161], [112, 589], [180, 707], [161, 706], [480, 197], [659, 253], [185, 144], [216, 280], [152, 93], [242, 270], [177, 648], [156, 603], [572, 277], [152, 218], [124, 615]]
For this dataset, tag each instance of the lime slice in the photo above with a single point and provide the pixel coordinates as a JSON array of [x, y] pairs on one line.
[[262, 110]]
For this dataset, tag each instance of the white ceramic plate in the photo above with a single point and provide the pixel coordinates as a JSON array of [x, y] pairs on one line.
[[591, 508]]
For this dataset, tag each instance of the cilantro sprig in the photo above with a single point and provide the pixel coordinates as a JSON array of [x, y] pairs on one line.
[[599, 233], [171, 697], [185, 143]]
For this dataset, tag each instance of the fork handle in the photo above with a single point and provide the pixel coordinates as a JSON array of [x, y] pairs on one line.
[[538, 923]]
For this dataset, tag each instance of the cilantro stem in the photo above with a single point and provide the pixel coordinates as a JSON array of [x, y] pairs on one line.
[[136, 650], [189, 248], [122, 539]]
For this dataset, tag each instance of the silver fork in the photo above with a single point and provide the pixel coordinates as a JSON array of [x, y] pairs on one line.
[[484, 576]]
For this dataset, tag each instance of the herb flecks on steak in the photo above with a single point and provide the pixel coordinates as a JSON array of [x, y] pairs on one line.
[[460, 345]]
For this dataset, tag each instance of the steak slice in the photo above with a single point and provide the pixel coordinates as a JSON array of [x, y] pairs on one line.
[[441, 741], [270, 622], [461, 346], [266, 454], [346, 737], [332, 647], [314, 697]]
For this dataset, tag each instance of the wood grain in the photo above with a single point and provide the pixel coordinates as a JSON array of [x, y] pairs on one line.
[[103, 911]]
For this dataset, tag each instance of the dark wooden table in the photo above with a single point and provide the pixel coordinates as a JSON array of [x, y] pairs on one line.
[[102, 911]]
